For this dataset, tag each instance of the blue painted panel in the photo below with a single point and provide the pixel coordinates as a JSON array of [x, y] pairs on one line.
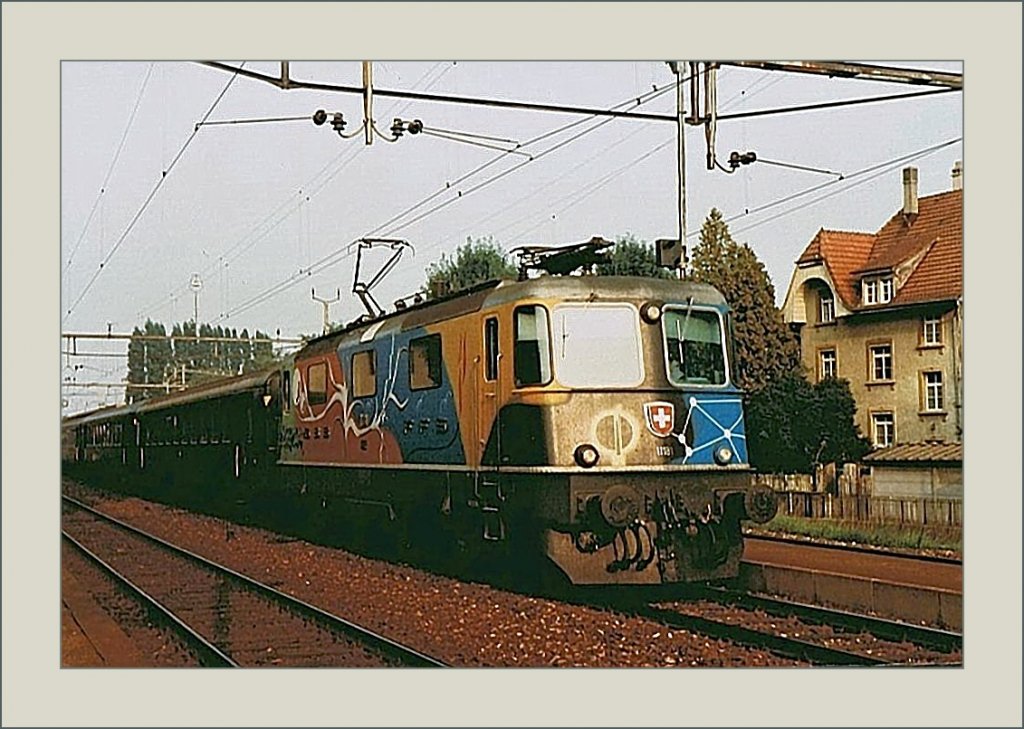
[[713, 420], [424, 422]]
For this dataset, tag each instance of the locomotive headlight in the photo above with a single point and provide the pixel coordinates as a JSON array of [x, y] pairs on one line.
[[586, 455], [651, 312], [723, 455]]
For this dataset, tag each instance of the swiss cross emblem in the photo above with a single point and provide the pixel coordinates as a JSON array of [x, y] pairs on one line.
[[660, 418]]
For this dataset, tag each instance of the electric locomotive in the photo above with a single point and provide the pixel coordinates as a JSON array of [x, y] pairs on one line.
[[592, 419]]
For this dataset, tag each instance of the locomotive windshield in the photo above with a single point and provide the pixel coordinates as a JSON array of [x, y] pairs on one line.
[[597, 345], [694, 345]]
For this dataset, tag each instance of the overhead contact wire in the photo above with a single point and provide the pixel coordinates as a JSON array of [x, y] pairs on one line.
[[234, 252], [343, 253], [110, 170], [149, 198]]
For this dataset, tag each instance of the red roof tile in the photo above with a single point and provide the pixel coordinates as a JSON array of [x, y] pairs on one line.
[[842, 252], [939, 216], [936, 233]]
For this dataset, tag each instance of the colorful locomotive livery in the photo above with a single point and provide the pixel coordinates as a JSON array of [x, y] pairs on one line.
[[590, 418]]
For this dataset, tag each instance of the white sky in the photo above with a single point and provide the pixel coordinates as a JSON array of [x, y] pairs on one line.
[[250, 206]]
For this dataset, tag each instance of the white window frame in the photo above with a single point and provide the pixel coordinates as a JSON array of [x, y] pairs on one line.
[[870, 291], [875, 357], [823, 372], [931, 331], [887, 421], [885, 290], [827, 309], [934, 391]]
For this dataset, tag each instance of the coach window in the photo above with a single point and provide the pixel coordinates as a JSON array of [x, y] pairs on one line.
[[532, 353], [317, 374], [364, 373], [491, 349], [425, 362], [286, 389]]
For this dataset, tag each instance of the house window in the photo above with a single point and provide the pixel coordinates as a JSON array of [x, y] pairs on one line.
[[425, 362], [883, 429], [931, 331], [317, 375], [880, 362], [364, 373], [933, 394], [870, 292], [885, 290], [827, 309], [826, 364]]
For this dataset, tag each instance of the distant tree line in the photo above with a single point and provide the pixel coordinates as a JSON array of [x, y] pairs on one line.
[[181, 359]]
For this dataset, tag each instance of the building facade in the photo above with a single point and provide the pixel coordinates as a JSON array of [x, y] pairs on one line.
[[884, 310]]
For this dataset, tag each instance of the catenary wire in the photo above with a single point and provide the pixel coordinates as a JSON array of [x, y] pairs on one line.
[[110, 170], [882, 169], [532, 106], [633, 100], [240, 247], [148, 200], [340, 254]]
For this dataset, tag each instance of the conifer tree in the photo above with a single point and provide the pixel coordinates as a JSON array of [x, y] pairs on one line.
[[766, 349]]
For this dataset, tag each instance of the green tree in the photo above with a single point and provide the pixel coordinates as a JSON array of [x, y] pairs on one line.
[[765, 347], [149, 361], [840, 438], [474, 263], [792, 425], [158, 354], [136, 367], [262, 352], [632, 257], [244, 351]]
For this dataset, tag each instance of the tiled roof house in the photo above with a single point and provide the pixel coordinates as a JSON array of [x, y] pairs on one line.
[[884, 311]]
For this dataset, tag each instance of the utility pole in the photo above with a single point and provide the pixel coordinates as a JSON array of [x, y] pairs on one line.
[[678, 68], [195, 284], [326, 303], [368, 100]]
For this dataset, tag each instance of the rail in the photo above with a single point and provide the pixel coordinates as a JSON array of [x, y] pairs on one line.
[[383, 645]]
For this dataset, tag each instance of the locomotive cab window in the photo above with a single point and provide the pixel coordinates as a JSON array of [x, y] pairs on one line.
[[532, 353], [425, 362], [597, 345], [317, 392], [694, 346], [364, 373]]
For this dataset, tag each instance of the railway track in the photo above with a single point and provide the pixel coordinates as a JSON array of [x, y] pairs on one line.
[[816, 635], [226, 618], [779, 644], [854, 548], [942, 641]]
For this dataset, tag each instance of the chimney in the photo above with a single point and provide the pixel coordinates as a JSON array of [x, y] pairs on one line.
[[958, 175], [909, 193]]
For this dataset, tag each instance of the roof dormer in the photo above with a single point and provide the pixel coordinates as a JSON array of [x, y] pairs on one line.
[[877, 289]]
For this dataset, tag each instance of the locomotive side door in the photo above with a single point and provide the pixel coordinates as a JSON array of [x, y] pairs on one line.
[[487, 377]]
